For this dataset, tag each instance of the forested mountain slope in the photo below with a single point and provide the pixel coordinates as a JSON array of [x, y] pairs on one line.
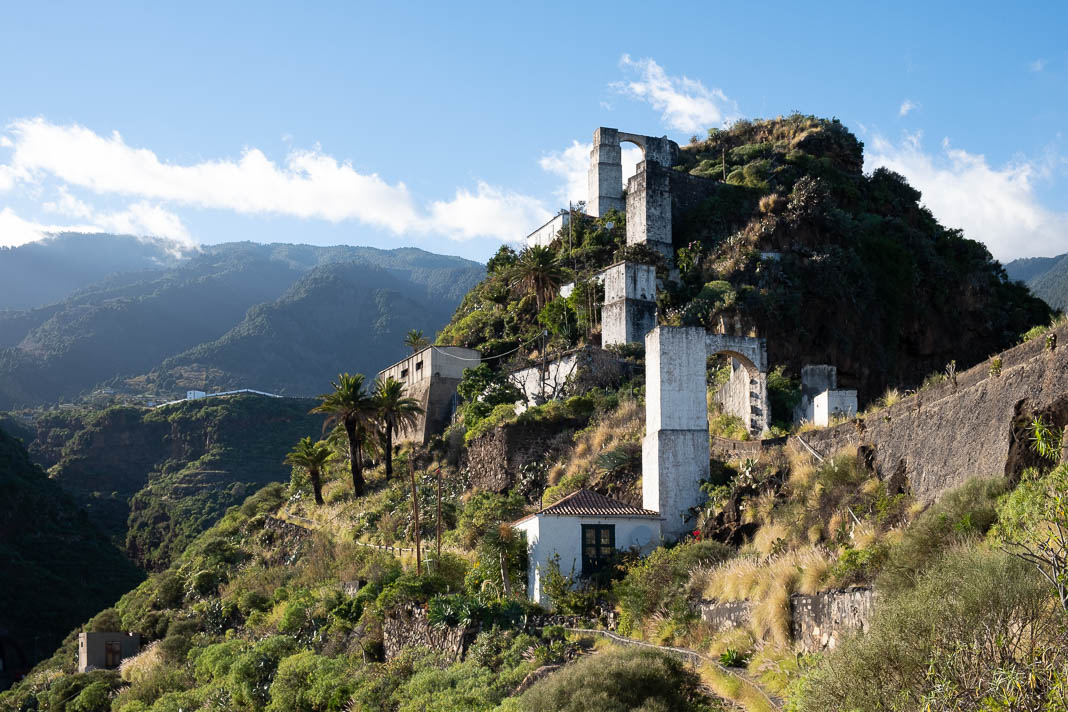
[[130, 323]]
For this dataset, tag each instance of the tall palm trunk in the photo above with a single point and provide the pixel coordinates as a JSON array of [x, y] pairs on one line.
[[355, 458], [317, 484], [389, 451]]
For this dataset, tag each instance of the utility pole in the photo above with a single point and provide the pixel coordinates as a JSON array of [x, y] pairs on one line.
[[415, 511]]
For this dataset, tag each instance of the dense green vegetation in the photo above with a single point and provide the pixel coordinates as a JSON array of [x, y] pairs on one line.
[[154, 479], [57, 567], [280, 318], [793, 233]]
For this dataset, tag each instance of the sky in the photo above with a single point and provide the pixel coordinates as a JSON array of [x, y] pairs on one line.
[[455, 127]]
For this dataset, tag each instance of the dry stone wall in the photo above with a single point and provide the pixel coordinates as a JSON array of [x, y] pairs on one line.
[[407, 627], [943, 435], [817, 622]]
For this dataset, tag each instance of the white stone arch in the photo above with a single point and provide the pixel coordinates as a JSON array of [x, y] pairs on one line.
[[745, 394], [606, 166]]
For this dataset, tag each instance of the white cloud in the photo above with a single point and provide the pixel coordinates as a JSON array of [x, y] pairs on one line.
[[5, 142], [15, 231], [491, 212], [1038, 65], [997, 206], [309, 185], [68, 205], [907, 106], [573, 164], [143, 219], [686, 104]]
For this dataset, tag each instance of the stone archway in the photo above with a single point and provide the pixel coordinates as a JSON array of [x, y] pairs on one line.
[[745, 394], [606, 166]]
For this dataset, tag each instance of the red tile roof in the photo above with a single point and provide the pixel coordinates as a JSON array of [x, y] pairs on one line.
[[587, 503]]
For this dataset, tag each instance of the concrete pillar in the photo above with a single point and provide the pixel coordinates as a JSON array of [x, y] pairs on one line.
[[649, 209], [606, 174], [629, 311], [675, 450]]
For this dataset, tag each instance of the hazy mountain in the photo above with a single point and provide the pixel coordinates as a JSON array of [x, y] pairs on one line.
[[1046, 276], [339, 317], [154, 320], [44, 272]]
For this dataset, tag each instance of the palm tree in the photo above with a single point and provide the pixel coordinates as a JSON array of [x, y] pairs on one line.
[[311, 456], [394, 412], [351, 406], [537, 271], [415, 340]]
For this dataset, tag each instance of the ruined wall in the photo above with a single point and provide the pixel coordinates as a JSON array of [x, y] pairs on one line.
[[816, 622], [629, 311], [407, 627], [495, 460], [571, 373], [649, 209], [943, 435], [733, 396], [687, 193]]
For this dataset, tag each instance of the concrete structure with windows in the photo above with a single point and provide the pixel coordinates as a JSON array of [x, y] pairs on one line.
[[106, 651], [430, 376], [581, 533]]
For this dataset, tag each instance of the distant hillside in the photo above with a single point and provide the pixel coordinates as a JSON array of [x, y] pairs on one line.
[[154, 479], [1046, 276], [340, 317], [57, 568], [45, 272], [133, 322]]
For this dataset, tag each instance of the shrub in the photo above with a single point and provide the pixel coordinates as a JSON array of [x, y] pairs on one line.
[[655, 583], [962, 514], [973, 616], [618, 680], [306, 682]]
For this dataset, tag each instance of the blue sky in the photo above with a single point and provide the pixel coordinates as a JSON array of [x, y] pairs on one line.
[[453, 127]]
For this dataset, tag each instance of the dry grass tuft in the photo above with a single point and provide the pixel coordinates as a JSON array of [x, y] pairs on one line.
[[625, 424], [142, 665]]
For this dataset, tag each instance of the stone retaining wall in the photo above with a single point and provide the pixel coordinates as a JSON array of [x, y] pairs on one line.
[[816, 622], [945, 434], [407, 627]]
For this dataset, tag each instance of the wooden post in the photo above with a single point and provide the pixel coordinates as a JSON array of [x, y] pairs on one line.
[[439, 517], [415, 512]]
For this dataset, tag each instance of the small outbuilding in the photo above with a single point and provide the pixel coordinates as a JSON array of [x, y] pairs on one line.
[[584, 530], [106, 650]]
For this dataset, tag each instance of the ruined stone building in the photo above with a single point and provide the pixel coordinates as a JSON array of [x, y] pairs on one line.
[[430, 376], [106, 651], [579, 531]]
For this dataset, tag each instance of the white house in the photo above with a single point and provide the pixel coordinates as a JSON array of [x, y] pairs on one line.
[[584, 529]]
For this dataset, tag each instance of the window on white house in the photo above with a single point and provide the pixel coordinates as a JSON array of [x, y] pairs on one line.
[[598, 546]]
